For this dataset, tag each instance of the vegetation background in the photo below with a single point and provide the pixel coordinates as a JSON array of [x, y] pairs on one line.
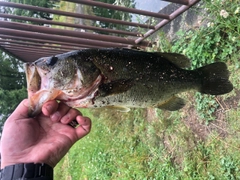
[[201, 141]]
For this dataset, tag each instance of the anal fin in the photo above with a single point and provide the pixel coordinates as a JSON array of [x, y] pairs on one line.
[[172, 104], [119, 108]]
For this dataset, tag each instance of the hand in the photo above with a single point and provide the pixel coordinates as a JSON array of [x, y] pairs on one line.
[[43, 139]]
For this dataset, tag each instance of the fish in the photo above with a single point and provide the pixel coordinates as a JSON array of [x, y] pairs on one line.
[[120, 78]]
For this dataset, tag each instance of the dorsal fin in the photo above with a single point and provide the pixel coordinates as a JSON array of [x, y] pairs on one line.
[[178, 59]]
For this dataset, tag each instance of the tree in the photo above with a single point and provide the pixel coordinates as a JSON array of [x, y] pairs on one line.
[[12, 85], [28, 13], [113, 14], [9, 101], [11, 72]]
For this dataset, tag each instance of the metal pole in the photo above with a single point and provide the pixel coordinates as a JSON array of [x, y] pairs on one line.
[[120, 8], [70, 33], [79, 41], [184, 2], [30, 39], [165, 21], [77, 15], [79, 26], [8, 41]]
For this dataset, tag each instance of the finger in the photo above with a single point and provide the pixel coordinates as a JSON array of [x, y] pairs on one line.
[[50, 107], [21, 111], [70, 116], [84, 126], [61, 111]]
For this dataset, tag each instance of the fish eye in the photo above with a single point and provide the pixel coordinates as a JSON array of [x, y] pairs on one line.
[[51, 61]]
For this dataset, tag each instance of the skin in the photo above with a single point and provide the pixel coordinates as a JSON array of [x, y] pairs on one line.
[[43, 139]]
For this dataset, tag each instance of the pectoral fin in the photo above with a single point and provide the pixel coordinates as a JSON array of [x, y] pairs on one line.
[[115, 87], [173, 104]]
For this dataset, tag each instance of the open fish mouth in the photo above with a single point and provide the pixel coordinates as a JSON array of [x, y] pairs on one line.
[[41, 90]]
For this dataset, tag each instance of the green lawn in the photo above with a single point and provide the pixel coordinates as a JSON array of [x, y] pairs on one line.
[[201, 141]]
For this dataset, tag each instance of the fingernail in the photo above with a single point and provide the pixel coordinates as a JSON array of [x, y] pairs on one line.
[[56, 116]]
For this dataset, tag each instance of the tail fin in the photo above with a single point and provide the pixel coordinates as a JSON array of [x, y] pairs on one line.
[[215, 79]]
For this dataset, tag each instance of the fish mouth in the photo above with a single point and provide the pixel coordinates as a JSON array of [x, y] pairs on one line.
[[39, 93], [33, 78]]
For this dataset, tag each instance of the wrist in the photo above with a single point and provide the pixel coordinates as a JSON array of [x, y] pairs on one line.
[[27, 171]]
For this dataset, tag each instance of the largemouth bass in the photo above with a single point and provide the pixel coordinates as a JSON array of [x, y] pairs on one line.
[[120, 78]]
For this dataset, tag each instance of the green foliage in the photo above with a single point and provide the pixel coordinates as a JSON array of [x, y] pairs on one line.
[[120, 147], [230, 167], [11, 72], [130, 146], [9, 101], [28, 13], [113, 14], [218, 39], [12, 84], [206, 106]]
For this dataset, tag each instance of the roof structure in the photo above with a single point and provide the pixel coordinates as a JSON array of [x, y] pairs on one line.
[[43, 37]]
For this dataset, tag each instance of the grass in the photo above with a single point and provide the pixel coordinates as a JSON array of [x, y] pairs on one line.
[[128, 146], [151, 144]]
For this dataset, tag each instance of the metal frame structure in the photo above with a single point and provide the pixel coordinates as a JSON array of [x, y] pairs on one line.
[[29, 42]]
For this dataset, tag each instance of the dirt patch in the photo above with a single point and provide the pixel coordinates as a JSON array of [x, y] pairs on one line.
[[199, 128], [220, 125]]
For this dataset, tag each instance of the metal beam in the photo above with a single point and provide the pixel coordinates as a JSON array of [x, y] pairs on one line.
[[29, 48], [12, 54], [79, 26], [79, 41], [76, 15], [45, 41], [120, 8], [8, 41], [165, 21], [184, 2], [70, 33], [26, 56]]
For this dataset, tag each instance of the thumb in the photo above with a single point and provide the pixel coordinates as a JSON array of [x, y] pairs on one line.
[[21, 111]]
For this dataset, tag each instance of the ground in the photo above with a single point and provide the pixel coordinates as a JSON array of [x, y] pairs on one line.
[[199, 127]]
